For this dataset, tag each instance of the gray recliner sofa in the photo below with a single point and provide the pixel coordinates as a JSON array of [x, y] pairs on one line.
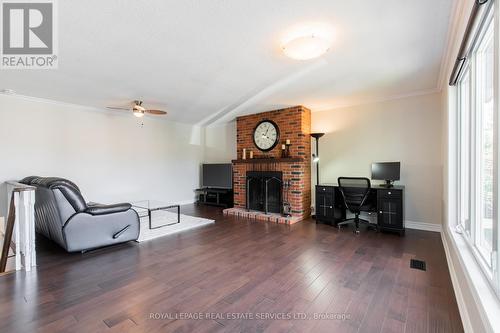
[[62, 215]]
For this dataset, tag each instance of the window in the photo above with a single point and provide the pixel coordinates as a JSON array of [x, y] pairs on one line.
[[484, 145], [465, 158], [477, 155]]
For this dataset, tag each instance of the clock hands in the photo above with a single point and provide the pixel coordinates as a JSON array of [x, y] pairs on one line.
[[265, 135], [267, 131]]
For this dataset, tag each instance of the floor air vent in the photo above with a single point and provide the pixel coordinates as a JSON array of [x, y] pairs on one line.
[[417, 264]]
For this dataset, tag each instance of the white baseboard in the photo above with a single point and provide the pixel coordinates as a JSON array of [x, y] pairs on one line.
[[185, 202], [423, 226], [462, 308]]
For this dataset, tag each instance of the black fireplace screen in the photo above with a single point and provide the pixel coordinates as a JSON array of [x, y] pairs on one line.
[[264, 191]]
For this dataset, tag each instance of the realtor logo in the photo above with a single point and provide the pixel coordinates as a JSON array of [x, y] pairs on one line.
[[28, 34]]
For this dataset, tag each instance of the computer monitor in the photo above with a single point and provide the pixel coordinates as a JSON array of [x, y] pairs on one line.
[[388, 171]]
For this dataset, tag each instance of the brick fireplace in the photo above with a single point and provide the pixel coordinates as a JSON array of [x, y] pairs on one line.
[[295, 125]]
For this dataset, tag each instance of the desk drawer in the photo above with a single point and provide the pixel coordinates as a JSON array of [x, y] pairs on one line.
[[324, 189], [390, 193], [324, 206]]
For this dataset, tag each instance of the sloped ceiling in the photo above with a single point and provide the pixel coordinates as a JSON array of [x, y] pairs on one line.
[[208, 61]]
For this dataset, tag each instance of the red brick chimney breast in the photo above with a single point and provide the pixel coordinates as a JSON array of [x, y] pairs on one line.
[[295, 125]]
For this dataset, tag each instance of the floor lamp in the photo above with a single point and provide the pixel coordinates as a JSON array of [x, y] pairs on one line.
[[316, 156]]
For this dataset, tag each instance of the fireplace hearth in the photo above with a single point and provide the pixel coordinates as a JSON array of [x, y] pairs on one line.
[[264, 191]]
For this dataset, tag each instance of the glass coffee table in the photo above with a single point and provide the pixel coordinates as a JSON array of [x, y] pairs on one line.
[[158, 211]]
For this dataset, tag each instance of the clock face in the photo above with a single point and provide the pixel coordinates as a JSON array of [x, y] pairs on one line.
[[266, 135]]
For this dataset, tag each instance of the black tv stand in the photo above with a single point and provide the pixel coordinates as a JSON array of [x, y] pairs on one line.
[[222, 197]]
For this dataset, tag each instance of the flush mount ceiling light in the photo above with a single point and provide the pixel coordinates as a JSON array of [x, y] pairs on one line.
[[307, 40], [306, 47]]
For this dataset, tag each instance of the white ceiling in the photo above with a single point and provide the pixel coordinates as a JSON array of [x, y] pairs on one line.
[[206, 61]]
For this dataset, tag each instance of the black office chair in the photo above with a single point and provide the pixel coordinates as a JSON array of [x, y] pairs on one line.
[[355, 191]]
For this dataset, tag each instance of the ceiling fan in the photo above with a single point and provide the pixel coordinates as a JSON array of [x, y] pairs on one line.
[[138, 110]]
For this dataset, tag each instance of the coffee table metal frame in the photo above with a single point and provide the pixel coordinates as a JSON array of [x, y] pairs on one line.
[[150, 210]]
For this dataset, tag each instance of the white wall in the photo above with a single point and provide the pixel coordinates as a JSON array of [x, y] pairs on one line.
[[109, 155], [220, 143], [407, 130], [113, 158]]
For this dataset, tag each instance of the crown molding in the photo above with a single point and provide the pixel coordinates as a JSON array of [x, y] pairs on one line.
[[209, 123], [56, 102], [447, 57], [380, 99], [82, 107]]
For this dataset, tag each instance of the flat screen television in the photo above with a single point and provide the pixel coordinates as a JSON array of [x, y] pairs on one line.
[[388, 171], [217, 176]]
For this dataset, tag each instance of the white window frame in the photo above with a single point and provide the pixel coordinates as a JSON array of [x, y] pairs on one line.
[[460, 163], [486, 34], [489, 266]]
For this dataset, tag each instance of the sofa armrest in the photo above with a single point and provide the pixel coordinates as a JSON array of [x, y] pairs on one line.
[[107, 209], [84, 231]]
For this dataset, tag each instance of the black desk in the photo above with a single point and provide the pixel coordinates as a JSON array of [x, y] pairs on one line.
[[387, 203]]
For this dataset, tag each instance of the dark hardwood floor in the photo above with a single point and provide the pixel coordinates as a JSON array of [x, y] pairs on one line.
[[234, 270]]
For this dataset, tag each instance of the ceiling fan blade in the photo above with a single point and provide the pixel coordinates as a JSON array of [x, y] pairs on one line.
[[156, 112], [118, 108]]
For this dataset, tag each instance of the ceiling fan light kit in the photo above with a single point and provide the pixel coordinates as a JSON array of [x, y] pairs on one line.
[[139, 113], [138, 110]]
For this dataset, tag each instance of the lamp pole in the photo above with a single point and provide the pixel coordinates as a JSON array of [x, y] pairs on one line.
[[317, 136], [316, 157], [317, 163]]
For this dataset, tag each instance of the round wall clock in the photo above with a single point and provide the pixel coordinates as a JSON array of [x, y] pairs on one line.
[[266, 135]]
